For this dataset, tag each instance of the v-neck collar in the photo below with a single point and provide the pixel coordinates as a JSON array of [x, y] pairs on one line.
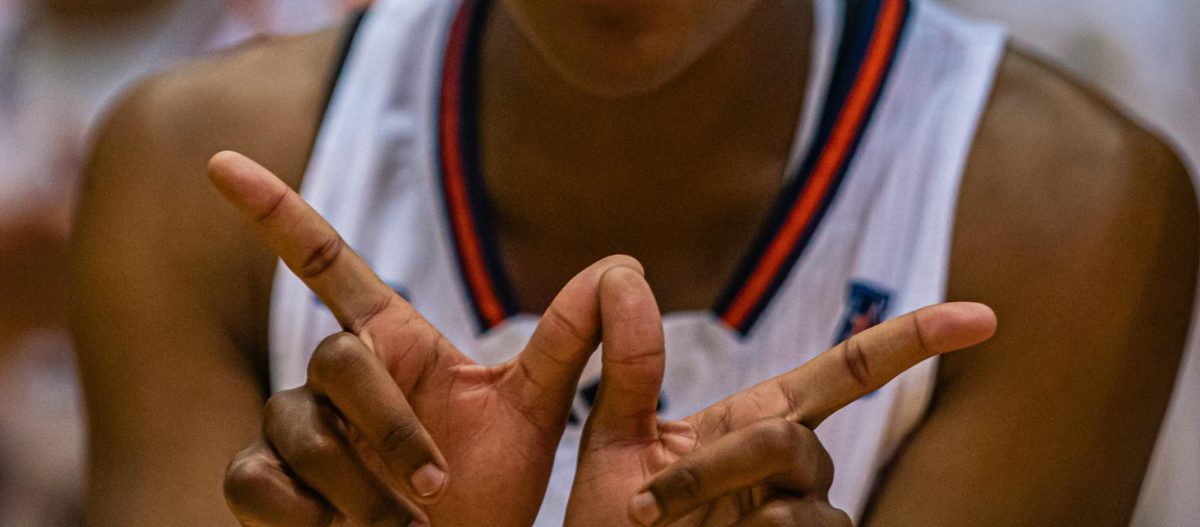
[[869, 42]]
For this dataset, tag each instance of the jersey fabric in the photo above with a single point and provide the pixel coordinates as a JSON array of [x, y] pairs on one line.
[[860, 232]]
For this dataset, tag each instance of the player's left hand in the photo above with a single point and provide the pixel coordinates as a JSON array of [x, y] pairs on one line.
[[751, 459]]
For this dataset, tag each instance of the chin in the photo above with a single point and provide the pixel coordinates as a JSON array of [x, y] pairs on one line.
[[620, 73], [624, 48]]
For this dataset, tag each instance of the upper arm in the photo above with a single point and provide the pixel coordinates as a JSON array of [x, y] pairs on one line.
[[172, 291], [1080, 230]]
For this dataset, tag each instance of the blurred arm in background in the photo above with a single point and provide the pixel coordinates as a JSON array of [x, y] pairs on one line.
[[61, 63]]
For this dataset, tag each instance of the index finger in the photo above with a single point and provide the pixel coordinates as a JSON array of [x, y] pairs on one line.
[[308, 245], [862, 364]]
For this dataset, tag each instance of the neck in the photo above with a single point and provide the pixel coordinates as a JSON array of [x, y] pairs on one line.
[[681, 178], [747, 89]]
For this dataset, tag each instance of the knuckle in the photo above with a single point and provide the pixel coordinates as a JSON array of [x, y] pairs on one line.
[[824, 467], [838, 518], [268, 213], [684, 482], [779, 437], [245, 477], [385, 512], [312, 450], [919, 333], [322, 256], [274, 407], [402, 437], [338, 356], [277, 407], [563, 323], [621, 260], [857, 366], [806, 458], [781, 514]]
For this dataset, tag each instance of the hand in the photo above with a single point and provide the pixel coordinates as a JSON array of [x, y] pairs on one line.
[[751, 459], [392, 415]]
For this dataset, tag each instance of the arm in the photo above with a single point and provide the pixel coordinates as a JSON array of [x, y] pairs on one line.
[[171, 392], [172, 290], [1080, 231]]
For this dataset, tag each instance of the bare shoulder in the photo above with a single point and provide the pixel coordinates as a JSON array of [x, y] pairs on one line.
[[1054, 158], [1079, 228], [264, 98], [1061, 181], [147, 199]]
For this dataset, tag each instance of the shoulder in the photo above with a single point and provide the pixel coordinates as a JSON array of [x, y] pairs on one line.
[[147, 209], [1060, 179], [265, 98], [171, 286], [1047, 142], [1079, 228]]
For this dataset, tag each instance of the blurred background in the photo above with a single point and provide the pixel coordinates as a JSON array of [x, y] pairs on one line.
[[63, 61]]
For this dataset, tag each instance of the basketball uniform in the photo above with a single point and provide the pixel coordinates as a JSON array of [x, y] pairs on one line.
[[860, 232]]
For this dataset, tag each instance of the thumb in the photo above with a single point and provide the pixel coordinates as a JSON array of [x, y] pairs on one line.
[[544, 377], [633, 360]]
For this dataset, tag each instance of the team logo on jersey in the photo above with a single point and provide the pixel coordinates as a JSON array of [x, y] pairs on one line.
[[866, 306]]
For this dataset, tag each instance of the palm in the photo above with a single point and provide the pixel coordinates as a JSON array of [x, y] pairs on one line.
[[497, 427], [499, 457], [614, 471], [624, 445]]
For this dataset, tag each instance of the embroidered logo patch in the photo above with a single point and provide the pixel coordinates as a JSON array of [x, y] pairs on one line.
[[866, 306]]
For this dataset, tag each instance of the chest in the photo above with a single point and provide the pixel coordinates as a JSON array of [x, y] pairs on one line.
[[690, 228]]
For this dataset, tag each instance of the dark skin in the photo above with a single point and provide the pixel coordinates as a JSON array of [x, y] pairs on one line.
[[700, 124], [1075, 226]]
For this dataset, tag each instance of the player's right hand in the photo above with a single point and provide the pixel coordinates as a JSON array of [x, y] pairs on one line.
[[395, 426]]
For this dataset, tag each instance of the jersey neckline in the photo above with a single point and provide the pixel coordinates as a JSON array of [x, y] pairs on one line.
[[870, 40]]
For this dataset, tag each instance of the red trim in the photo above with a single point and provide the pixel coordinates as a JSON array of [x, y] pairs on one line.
[[466, 239], [870, 77]]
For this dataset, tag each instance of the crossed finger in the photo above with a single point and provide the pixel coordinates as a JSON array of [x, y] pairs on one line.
[[858, 366], [772, 422]]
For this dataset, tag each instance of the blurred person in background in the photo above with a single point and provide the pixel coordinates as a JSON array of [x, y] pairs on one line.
[[61, 63], [1145, 55]]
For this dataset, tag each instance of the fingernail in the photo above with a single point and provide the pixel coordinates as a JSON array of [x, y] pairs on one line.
[[428, 480], [645, 509]]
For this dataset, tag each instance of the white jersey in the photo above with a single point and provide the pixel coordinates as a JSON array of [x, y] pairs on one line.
[[861, 231]]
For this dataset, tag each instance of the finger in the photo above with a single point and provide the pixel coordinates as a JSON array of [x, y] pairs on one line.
[[549, 367], [358, 384], [316, 253], [310, 441], [773, 452], [796, 513], [309, 246], [869, 360], [632, 360], [260, 493]]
